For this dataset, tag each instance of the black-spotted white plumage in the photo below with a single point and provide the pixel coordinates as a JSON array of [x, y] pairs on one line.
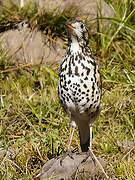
[[80, 83]]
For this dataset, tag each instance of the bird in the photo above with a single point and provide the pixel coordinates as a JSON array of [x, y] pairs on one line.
[[80, 83]]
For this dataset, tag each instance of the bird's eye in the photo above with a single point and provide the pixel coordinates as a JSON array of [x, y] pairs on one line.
[[82, 26]]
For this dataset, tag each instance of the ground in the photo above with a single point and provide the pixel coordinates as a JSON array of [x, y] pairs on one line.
[[33, 125]]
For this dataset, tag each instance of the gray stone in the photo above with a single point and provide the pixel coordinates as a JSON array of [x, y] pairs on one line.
[[28, 46], [71, 168], [86, 8], [25, 46]]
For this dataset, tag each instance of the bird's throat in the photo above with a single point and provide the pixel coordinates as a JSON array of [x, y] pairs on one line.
[[74, 46]]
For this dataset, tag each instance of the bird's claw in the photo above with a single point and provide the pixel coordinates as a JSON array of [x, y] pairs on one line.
[[68, 153], [89, 154]]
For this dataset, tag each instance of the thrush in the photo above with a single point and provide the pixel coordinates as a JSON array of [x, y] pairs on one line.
[[80, 83]]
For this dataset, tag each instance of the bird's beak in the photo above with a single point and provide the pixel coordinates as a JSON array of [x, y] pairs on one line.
[[70, 26]]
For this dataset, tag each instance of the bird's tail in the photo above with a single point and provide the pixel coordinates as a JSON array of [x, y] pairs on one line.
[[84, 133]]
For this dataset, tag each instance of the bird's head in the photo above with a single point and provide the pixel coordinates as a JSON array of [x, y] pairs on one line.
[[79, 31]]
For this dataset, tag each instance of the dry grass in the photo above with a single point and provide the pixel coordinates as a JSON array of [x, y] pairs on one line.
[[33, 125]]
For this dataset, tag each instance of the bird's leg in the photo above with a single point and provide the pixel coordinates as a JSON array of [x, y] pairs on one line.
[[94, 158], [69, 153], [73, 125], [90, 147], [71, 137]]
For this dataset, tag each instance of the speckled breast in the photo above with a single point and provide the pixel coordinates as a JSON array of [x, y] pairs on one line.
[[79, 83]]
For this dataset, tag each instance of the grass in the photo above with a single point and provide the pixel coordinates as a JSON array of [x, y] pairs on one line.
[[33, 125]]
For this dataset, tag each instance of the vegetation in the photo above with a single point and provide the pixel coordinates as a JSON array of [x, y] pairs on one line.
[[33, 126]]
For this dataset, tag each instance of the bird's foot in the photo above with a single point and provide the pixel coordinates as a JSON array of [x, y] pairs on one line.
[[89, 154], [68, 153], [95, 160]]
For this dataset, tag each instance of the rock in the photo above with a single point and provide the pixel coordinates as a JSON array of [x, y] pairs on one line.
[[126, 145], [26, 46], [71, 168], [86, 8]]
